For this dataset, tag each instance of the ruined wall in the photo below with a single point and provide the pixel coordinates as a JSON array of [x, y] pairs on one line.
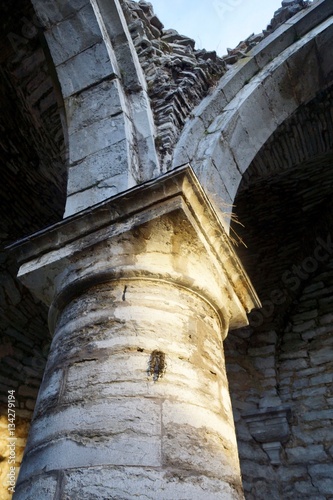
[[179, 76], [264, 366], [290, 369]]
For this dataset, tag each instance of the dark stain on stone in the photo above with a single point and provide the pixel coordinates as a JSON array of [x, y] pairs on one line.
[[156, 365]]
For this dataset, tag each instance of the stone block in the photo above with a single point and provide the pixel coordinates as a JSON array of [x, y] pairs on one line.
[[85, 69], [250, 469], [251, 451], [50, 389], [181, 441], [306, 488], [311, 18], [305, 315], [261, 351], [141, 113], [242, 136], [308, 454], [74, 35], [319, 471], [176, 413], [323, 356], [325, 485], [186, 147], [293, 364], [264, 363], [327, 319], [50, 11], [233, 81], [105, 164], [292, 473], [273, 45], [25, 390], [145, 484], [96, 194], [294, 355], [79, 451], [267, 337], [278, 87], [311, 331], [223, 160], [313, 391], [325, 378], [131, 71], [317, 415], [269, 378], [219, 196], [43, 486], [185, 385], [313, 402], [205, 113], [269, 425], [320, 435], [294, 344], [102, 101], [98, 136], [115, 418]]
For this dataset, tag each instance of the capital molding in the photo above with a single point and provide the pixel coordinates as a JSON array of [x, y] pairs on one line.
[[163, 229]]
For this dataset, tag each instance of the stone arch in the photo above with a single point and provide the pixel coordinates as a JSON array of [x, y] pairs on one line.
[[253, 99], [110, 125], [284, 201]]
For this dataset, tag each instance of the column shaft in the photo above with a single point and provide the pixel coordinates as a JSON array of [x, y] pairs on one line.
[[135, 398]]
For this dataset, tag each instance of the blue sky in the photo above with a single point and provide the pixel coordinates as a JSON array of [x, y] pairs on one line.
[[216, 24]]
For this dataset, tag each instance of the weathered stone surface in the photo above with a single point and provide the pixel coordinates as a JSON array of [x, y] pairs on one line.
[[88, 140], [145, 483], [256, 382], [74, 35], [51, 12], [86, 68], [105, 101], [98, 347], [44, 486], [309, 454], [98, 168]]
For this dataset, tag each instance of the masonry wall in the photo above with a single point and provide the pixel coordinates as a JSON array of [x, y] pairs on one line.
[[290, 368]]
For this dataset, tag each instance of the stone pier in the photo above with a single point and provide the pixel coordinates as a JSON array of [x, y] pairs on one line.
[[142, 290]]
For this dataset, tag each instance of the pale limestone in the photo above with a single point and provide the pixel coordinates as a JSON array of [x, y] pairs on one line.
[[160, 277]]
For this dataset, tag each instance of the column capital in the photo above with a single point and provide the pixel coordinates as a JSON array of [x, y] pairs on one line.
[[163, 229]]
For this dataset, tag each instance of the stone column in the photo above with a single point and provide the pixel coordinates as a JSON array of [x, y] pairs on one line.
[[134, 402]]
